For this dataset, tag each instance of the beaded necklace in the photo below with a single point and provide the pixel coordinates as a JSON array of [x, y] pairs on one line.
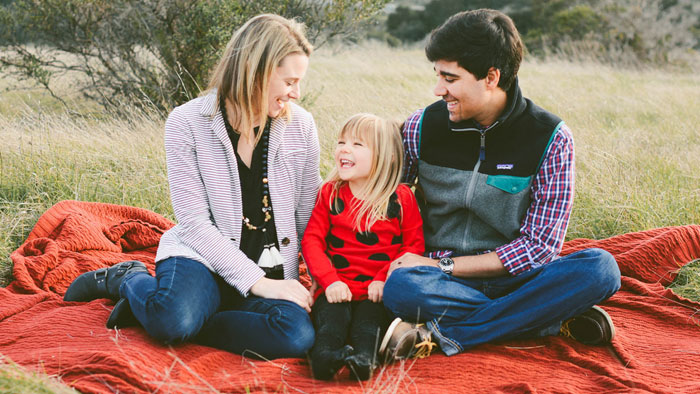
[[266, 207]]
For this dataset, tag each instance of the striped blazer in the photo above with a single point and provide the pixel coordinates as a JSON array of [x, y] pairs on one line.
[[206, 193]]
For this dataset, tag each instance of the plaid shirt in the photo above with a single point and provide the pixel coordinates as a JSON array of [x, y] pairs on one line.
[[544, 227]]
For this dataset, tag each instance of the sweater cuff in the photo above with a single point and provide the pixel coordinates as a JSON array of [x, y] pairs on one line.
[[244, 288], [327, 280]]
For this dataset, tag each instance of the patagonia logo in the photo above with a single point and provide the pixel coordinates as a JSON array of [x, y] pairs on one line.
[[504, 166]]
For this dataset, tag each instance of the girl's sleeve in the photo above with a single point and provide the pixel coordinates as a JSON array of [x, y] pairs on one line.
[[411, 223], [411, 228], [311, 176], [313, 245]]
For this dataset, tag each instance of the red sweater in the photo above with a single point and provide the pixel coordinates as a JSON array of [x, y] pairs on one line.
[[334, 251]]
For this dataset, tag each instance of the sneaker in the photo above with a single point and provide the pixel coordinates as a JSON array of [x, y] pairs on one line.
[[405, 340], [592, 327]]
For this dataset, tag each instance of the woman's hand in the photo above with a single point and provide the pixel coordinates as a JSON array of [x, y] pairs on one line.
[[288, 289], [312, 289], [338, 292], [375, 291]]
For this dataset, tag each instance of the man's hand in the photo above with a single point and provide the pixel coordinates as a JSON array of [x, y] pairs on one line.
[[410, 260], [375, 291], [338, 292], [289, 289]]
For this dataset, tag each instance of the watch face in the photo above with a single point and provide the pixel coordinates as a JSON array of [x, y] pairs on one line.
[[447, 264]]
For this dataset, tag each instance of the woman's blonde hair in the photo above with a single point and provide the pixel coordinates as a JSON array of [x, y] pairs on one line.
[[243, 73], [383, 138]]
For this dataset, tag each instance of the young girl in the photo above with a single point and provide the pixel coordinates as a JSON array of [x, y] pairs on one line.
[[362, 221]]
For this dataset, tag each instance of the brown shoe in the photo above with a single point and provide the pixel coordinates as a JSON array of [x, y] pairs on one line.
[[405, 340], [592, 327]]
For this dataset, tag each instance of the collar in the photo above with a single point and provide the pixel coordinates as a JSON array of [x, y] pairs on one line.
[[514, 106], [211, 110]]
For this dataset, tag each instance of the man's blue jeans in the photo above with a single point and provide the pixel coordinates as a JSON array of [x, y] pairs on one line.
[[462, 313], [186, 301]]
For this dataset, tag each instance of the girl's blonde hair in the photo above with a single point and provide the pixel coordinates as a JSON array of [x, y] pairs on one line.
[[383, 138], [243, 73]]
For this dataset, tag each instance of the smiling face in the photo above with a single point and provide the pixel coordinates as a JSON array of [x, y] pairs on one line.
[[353, 160], [466, 96], [284, 82]]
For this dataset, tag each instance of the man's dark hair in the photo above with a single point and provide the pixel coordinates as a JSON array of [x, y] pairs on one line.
[[478, 40]]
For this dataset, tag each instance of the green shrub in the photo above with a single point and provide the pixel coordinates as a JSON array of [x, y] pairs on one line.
[[629, 32], [146, 53]]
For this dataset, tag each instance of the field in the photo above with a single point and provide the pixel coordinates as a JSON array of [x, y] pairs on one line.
[[637, 136]]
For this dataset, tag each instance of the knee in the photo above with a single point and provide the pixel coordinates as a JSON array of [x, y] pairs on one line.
[[408, 290], [608, 270], [296, 332], [601, 270], [175, 318], [174, 326], [400, 283]]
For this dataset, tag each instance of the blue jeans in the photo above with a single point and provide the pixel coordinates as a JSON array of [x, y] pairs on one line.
[[462, 313], [186, 301]]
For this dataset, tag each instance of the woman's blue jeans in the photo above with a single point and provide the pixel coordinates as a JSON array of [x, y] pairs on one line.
[[186, 301], [462, 313]]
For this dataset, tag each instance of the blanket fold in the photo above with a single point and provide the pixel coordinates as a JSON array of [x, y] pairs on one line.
[[655, 350]]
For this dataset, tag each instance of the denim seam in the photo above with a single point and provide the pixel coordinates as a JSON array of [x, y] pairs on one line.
[[441, 338]]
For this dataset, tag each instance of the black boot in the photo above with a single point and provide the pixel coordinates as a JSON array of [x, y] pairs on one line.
[[369, 323], [361, 365], [329, 351], [326, 362], [102, 283], [121, 316]]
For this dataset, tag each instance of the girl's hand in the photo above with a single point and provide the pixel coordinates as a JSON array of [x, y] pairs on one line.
[[288, 289], [375, 291], [338, 292]]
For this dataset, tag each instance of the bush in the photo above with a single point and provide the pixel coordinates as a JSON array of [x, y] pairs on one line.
[[146, 52], [410, 25], [630, 32]]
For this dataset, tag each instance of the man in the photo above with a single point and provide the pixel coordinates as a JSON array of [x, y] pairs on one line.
[[495, 177]]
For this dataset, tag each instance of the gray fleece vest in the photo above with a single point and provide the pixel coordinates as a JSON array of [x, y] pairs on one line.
[[474, 184]]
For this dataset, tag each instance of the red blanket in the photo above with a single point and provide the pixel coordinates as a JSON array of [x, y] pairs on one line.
[[657, 347]]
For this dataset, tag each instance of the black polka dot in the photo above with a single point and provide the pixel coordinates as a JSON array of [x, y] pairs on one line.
[[334, 241], [339, 261], [367, 237], [337, 207], [362, 278], [397, 240], [394, 209], [380, 257]]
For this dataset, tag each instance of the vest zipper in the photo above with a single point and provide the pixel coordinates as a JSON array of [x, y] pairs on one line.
[[468, 204], [472, 182], [482, 147]]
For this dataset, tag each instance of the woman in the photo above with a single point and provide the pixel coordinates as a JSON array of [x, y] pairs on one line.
[[243, 168]]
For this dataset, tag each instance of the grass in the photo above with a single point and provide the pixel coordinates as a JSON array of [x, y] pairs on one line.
[[17, 380], [636, 133]]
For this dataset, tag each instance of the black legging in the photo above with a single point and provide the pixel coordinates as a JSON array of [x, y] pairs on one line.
[[362, 324]]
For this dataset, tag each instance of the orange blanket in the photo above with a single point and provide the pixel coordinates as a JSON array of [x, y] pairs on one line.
[[657, 347]]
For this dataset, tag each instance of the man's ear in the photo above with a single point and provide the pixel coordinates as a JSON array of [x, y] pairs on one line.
[[493, 76]]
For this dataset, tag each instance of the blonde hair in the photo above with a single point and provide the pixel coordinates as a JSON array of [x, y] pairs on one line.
[[243, 73], [383, 138]]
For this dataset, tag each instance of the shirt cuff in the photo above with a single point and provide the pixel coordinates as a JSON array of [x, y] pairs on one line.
[[515, 257]]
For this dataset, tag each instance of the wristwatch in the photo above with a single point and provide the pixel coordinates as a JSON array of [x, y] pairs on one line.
[[447, 265]]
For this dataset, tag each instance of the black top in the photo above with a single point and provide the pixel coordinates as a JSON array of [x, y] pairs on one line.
[[252, 241], [514, 145]]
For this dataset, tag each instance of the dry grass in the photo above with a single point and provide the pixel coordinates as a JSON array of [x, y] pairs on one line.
[[636, 133], [17, 380]]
